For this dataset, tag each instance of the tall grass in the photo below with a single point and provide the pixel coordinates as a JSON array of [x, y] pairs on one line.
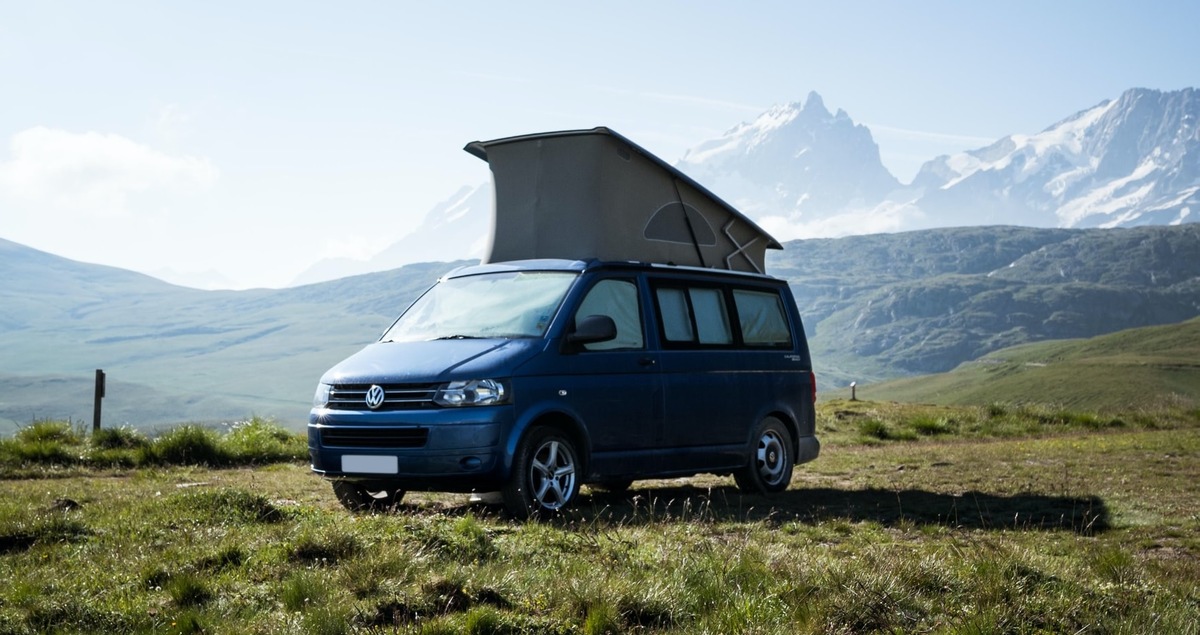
[[58, 444], [46, 442], [842, 421]]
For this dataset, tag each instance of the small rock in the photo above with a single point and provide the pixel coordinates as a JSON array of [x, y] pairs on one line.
[[64, 505]]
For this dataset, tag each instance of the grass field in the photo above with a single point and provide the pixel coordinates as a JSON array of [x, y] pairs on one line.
[[1118, 372], [913, 520]]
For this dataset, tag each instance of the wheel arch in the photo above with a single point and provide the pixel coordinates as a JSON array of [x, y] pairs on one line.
[[788, 422], [563, 422]]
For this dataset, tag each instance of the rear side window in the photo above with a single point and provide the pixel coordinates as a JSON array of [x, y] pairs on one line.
[[702, 317], [762, 318], [695, 315]]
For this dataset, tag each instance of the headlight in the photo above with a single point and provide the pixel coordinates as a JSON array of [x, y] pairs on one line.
[[321, 398], [475, 392]]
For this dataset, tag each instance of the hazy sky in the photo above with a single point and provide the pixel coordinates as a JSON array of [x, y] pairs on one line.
[[254, 138]]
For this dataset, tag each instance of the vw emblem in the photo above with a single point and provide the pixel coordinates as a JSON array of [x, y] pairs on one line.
[[374, 397]]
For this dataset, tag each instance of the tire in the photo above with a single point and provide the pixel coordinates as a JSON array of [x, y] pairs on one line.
[[358, 497], [545, 475], [772, 455]]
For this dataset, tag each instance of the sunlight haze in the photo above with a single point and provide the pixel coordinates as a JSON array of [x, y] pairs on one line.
[[245, 141]]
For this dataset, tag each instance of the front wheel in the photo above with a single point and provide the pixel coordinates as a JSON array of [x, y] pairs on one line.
[[358, 497], [769, 466], [544, 477]]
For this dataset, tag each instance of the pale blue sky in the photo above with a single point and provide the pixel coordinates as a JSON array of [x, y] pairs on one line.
[[252, 138]]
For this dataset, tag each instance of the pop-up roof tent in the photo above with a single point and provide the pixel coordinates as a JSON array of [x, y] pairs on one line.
[[582, 194]]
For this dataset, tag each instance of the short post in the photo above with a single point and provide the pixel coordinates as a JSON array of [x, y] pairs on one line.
[[853, 391], [99, 396]]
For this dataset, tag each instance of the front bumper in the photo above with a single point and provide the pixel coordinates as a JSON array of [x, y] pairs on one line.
[[444, 449]]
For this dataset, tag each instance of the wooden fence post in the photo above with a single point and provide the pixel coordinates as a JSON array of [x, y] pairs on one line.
[[99, 396]]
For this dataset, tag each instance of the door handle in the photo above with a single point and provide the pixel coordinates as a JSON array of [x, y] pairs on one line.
[[647, 361]]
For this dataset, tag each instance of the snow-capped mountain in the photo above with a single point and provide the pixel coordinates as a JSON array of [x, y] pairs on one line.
[[802, 172], [455, 229], [799, 171], [1130, 161]]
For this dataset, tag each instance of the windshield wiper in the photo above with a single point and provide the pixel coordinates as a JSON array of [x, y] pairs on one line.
[[458, 337]]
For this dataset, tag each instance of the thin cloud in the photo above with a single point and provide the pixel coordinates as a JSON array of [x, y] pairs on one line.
[[705, 101], [493, 77], [93, 174], [172, 123], [682, 99], [883, 218], [934, 137]]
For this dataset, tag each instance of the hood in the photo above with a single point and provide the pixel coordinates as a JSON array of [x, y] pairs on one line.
[[435, 361]]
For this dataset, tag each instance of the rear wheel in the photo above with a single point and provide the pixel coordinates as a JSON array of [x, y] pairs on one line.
[[769, 466], [545, 475], [361, 497]]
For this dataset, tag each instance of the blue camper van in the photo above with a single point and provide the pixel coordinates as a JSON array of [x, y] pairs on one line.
[[609, 337]]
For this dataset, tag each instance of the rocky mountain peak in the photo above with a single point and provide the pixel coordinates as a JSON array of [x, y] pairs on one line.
[[796, 158], [1134, 160]]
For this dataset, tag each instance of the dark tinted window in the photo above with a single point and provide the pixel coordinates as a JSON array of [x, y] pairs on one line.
[[701, 316], [676, 316], [696, 315], [762, 319]]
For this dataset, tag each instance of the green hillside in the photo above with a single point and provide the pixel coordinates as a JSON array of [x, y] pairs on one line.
[[28, 399], [876, 307], [1137, 368], [174, 354]]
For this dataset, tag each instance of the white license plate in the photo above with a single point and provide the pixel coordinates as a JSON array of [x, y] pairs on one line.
[[363, 464]]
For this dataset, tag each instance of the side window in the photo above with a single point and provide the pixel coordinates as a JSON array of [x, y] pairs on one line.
[[762, 318], [695, 315], [618, 299], [676, 319], [712, 321]]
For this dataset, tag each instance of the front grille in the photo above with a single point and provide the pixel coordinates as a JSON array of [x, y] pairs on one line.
[[397, 397], [374, 437]]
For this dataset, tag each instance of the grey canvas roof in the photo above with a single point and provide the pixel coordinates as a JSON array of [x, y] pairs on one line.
[[581, 194]]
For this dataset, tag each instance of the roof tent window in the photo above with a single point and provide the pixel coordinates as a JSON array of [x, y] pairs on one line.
[[680, 223]]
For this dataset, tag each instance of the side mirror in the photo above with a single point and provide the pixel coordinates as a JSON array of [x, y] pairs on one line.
[[593, 329]]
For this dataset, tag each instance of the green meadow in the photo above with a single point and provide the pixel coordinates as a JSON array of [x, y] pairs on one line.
[[915, 519]]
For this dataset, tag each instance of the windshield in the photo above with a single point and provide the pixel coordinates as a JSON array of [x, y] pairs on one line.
[[507, 304]]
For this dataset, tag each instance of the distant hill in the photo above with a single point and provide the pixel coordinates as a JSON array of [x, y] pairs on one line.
[[923, 302], [29, 398], [876, 307], [207, 353], [1122, 371]]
